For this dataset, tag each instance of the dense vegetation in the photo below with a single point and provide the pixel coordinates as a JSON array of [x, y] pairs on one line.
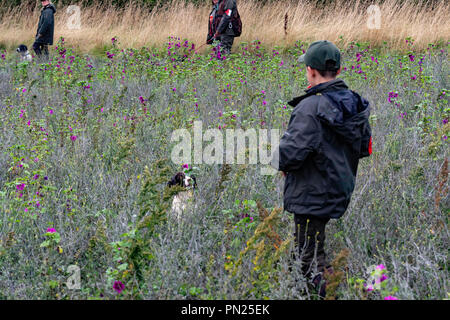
[[85, 157], [151, 3]]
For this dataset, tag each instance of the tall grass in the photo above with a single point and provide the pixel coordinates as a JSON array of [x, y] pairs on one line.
[[342, 22]]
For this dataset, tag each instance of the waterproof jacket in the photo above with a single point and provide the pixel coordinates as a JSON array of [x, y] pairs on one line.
[[46, 25], [219, 20], [327, 134]]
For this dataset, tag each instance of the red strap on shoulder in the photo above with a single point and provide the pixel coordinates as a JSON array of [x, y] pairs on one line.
[[370, 146]]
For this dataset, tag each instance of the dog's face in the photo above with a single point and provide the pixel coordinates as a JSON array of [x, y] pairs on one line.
[[22, 49], [183, 180]]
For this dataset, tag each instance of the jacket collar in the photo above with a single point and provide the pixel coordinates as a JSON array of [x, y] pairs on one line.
[[336, 84]]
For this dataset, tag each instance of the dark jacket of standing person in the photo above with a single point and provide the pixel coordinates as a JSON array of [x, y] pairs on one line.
[[226, 8], [46, 25], [220, 25], [327, 134]]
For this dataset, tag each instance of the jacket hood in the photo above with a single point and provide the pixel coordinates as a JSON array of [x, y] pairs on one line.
[[50, 6], [343, 110]]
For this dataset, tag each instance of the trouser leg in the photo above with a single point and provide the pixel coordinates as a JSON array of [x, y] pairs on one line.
[[37, 47], [45, 50], [226, 42], [41, 49], [309, 240]]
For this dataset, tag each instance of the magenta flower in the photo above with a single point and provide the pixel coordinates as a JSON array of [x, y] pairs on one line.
[[73, 138], [50, 111], [185, 166], [392, 95], [390, 298], [20, 187], [369, 287], [51, 230], [118, 286], [381, 267]]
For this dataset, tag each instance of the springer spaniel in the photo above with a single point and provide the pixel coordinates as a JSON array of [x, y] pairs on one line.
[[25, 55], [180, 200]]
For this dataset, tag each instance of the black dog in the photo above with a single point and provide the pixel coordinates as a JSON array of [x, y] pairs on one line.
[[24, 53]]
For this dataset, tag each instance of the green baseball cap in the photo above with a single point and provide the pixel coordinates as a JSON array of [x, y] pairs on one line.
[[322, 55]]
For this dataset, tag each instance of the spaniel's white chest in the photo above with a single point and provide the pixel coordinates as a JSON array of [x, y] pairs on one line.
[[180, 203]]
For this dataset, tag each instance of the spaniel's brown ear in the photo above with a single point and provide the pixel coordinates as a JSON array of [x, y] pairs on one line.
[[176, 179]]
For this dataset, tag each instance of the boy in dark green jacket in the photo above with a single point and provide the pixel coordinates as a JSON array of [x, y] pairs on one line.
[[319, 153]]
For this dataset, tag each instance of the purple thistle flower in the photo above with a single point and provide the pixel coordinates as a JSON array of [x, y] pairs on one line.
[[118, 286], [73, 138], [390, 298], [368, 287], [51, 230], [392, 95], [380, 267], [20, 187]]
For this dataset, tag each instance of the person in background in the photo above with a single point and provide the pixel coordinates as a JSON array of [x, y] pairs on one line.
[[224, 24], [45, 29]]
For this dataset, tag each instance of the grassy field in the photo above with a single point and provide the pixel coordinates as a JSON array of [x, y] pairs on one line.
[[344, 21], [85, 156]]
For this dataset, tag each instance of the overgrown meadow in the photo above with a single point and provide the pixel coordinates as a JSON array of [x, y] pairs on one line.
[[85, 156]]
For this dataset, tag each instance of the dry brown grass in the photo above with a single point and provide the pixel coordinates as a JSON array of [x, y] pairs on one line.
[[136, 27]]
